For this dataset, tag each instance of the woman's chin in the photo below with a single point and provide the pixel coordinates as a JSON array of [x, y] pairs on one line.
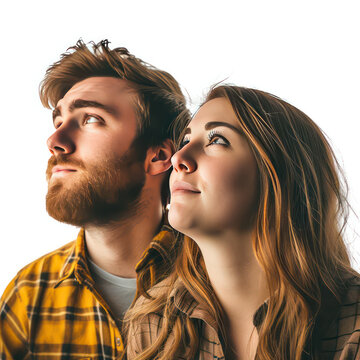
[[180, 220]]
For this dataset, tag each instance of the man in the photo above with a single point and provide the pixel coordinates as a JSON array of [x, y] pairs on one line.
[[111, 148]]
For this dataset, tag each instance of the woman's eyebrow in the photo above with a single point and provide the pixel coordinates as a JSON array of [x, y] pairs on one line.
[[213, 124]]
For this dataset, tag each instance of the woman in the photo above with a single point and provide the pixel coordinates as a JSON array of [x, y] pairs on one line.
[[263, 272]]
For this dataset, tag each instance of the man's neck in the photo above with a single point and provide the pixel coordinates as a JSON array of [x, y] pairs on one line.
[[118, 247]]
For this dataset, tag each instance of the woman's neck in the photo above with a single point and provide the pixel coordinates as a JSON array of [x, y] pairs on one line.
[[239, 284]]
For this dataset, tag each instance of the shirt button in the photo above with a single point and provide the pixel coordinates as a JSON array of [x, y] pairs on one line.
[[118, 341]]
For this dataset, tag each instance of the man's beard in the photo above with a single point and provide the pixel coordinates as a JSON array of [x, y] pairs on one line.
[[100, 193]]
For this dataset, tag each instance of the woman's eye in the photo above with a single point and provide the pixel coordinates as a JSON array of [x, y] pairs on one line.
[[217, 139], [183, 143], [91, 120]]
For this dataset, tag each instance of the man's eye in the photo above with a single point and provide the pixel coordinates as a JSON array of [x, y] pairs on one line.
[[57, 124], [90, 119]]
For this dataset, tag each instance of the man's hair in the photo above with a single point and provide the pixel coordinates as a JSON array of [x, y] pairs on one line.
[[160, 100]]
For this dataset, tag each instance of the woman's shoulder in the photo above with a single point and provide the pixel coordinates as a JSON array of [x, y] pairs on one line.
[[349, 312], [157, 291], [353, 289], [147, 315], [149, 309], [342, 338]]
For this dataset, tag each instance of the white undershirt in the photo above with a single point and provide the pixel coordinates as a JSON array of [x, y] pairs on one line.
[[118, 292]]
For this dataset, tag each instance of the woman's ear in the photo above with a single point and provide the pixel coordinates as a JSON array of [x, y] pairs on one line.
[[158, 158]]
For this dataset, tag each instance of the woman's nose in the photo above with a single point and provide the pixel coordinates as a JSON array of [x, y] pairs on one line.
[[182, 161]]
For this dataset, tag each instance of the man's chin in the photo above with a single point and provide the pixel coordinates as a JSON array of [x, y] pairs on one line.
[[64, 212], [83, 206], [100, 195], [68, 182]]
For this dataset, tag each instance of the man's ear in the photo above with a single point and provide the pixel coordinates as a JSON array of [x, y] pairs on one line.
[[158, 158]]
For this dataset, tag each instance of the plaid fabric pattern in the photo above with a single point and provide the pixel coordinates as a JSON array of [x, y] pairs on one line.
[[51, 309], [340, 326]]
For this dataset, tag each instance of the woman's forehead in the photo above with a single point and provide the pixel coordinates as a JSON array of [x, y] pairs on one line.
[[215, 110]]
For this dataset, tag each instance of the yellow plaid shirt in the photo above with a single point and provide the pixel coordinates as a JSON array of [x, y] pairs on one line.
[[51, 309]]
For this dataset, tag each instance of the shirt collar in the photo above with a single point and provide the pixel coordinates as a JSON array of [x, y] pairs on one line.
[[76, 264], [162, 249], [186, 303]]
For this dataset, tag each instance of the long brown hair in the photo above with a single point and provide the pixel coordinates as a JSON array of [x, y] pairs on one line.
[[298, 238]]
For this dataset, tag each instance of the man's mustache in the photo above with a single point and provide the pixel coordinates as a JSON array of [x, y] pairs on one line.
[[62, 160]]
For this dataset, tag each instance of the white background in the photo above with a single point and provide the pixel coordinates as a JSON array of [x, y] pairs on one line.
[[306, 52]]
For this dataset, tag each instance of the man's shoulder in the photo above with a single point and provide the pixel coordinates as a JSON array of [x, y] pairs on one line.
[[43, 271], [51, 262]]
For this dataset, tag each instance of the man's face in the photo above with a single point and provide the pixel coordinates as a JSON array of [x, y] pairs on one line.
[[95, 173]]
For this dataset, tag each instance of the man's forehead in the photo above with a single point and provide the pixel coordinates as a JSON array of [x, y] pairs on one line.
[[99, 89]]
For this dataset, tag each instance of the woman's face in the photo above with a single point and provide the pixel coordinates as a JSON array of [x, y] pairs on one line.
[[214, 182]]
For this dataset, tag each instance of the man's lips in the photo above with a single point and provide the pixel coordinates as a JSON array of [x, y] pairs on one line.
[[182, 186], [61, 169]]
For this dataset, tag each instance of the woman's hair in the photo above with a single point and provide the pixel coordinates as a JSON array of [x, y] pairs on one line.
[[298, 237]]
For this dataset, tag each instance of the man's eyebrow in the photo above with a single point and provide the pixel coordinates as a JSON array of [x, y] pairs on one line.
[[56, 112], [80, 103], [213, 124]]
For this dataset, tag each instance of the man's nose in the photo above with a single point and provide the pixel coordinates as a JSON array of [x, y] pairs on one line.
[[61, 142]]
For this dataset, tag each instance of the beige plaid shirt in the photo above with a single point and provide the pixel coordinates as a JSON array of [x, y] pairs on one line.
[[340, 326]]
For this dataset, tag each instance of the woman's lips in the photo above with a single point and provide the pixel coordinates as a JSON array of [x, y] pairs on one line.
[[182, 186]]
